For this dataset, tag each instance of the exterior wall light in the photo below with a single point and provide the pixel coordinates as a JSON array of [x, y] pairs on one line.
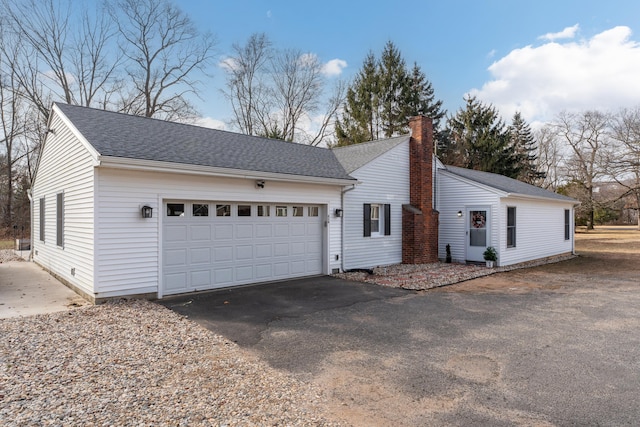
[[260, 183], [338, 213], [459, 214], [147, 211]]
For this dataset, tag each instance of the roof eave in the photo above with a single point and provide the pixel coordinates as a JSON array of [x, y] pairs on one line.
[[189, 169], [546, 199]]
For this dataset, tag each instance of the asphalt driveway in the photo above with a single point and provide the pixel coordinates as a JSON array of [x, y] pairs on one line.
[[556, 355]]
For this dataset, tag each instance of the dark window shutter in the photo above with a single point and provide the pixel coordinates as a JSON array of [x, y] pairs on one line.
[[387, 220], [60, 219], [367, 220], [42, 211]]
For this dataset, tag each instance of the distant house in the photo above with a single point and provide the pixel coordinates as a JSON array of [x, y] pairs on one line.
[[131, 206]]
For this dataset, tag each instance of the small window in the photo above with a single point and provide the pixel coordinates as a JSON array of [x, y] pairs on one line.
[[312, 211], [511, 227], [42, 212], [298, 211], [244, 210], [223, 210], [375, 219], [175, 209], [60, 219], [264, 210], [567, 224], [200, 209], [281, 211]]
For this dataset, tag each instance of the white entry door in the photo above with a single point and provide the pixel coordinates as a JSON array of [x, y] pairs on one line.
[[478, 235], [207, 245]]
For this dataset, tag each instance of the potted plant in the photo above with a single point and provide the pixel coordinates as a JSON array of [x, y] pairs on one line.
[[490, 256]]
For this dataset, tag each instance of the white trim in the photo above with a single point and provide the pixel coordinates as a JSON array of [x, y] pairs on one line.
[[183, 168], [86, 144]]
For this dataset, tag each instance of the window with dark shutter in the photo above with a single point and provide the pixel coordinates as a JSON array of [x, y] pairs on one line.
[[511, 227], [567, 224], [60, 219]]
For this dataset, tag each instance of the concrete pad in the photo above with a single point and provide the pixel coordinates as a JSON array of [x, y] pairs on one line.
[[26, 290]]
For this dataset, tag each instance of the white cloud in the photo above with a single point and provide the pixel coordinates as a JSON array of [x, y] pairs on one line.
[[228, 64], [269, 14], [209, 122], [567, 33], [334, 67], [599, 73]]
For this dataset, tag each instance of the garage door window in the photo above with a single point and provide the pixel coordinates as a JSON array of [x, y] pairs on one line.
[[313, 211], [200, 209], [298, 211], [175, 209], [223, 210], [264, 210], [244, 210], [281, 211]]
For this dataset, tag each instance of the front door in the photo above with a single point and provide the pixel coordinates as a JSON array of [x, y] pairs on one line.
[[477, 233]]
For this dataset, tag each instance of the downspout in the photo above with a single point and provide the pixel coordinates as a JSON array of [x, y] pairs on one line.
[[30, 196], [342, 225]]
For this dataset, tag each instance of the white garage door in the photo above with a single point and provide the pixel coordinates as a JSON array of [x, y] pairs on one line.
[[207, 245]]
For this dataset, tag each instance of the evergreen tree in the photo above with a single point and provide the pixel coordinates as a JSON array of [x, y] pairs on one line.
[[394, 91], [382, 98], [480, 140], [360, 116], [526, 148]]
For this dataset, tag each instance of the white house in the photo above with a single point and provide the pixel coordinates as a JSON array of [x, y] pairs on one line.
[[226, 209], [521, 221], [131, 206]]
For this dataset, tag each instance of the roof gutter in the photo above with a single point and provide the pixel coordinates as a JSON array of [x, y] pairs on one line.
[[182, 168]]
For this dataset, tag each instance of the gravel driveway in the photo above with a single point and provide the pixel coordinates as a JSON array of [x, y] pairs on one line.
[[139, 364]]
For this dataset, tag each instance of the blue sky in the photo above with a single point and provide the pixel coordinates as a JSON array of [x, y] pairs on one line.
[[535, 57]]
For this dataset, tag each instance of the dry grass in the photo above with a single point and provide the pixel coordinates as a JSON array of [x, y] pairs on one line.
[[7, 244], [608, 239]]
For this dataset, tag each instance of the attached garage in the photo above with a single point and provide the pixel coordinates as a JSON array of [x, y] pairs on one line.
[[153, 208], [213, 244]]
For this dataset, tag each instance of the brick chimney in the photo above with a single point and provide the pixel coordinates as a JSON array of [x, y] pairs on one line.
[[419, 219]]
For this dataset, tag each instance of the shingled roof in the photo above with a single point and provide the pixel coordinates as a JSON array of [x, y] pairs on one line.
[[355, 156], [508, 185], [133, 137]]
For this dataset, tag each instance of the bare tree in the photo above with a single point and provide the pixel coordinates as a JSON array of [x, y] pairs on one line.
[[279, 93], [164, 51], [587, 134], [246, 88], [550, 159], [65, 54], [624, 162]]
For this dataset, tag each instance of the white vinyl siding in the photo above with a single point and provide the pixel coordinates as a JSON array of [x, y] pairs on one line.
[[540, 222], [65, 166], [128, 246], [456, 195], [540, 230], [385, 180]]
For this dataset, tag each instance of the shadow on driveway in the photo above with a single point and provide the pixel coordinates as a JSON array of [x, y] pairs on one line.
[[242, 314]]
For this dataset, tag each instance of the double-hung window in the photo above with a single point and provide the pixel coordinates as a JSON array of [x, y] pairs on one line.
[[511, 227], [567, 224], [377, 220]]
